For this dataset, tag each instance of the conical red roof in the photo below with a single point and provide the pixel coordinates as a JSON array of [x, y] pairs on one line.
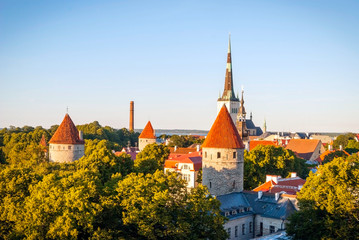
[[67, 133], [43, 141], [223, 133], [148, 131]]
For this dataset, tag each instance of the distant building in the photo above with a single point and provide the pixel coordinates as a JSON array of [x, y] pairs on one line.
[[255, 143], [275, 184], [132, 151], [308, 149], [187, 165], [67, 144], [146, 137]]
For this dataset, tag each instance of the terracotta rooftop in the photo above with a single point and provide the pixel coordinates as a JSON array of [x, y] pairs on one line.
[[303, 147], [43, 141], [182, 150], [66, 133], [223, 133], [148, 131], [288, 185], [194, 158]]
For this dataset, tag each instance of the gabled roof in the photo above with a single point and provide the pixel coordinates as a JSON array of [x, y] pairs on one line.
[[194, 158], [223, 133], [43, 141], [148, 131], [303, 147], [265, 187], [66, 133]]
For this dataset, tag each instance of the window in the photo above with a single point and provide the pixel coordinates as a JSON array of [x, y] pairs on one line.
[[63, 147], [229, 233], [210, 184], [186, 177], [243, 229], [69, 147], [236, 231], [185, 166], [234, 154], [205, 154], [250, 227], [226, 214], [271, 229], [218, 154], [261, 229]]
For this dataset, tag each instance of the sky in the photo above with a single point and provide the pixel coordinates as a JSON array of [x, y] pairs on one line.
[[298, 62]]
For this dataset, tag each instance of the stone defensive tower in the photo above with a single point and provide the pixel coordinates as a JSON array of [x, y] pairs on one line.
[[146, 137], [67, 144], [228, 97], [222, 163]]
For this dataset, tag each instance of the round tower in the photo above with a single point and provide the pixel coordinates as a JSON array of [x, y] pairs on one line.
[[222, 159], [146, 137], [67, 144]]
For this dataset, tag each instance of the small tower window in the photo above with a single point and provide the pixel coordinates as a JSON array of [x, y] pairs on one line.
[[205, 154], [218, 154], [210, 184], [69, 147], [234, 154]]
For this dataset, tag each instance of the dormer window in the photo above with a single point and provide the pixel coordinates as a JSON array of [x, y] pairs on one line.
[[226, 214], [234, 212]]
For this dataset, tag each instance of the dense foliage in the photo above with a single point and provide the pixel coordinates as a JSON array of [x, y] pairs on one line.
[[184, 141], [329, 203], [267, 159], [119, 138], [348, 142], [100, 196]]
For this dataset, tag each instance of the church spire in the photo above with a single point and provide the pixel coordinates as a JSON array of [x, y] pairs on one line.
[[242, 110], [228, 92]]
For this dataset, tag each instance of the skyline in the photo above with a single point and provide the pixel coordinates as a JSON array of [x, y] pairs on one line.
[[297, 61]]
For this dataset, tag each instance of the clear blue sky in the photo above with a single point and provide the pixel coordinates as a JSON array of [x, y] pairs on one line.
[[297, 60]]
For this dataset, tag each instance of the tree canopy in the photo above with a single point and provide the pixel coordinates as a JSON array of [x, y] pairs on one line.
[[99, 196], [267, 159], [329, 204]]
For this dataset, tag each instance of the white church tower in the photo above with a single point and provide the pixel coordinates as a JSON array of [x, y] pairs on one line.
[[228, 97]]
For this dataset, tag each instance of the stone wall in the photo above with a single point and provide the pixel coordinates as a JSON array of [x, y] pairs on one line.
[[267, 222], [222, 171], [143, 142], [65, 152], [240, 227]]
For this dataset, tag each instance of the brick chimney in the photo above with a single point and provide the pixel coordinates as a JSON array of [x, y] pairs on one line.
[[132, 110]]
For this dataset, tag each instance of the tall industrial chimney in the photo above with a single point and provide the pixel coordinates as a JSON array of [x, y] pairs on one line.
[[132, 111]]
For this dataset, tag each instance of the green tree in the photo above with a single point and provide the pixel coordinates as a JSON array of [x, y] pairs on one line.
[[151, 158], [342, 140], [158, 206], [329, 203], [263, 160]]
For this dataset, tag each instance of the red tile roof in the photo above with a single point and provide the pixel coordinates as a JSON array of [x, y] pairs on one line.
[[303, 145], [223, 133], [43, 141], [182, 150], [195, 158], [148, 131], [265, 187], [255, 143], [67, 133], [288, 185]]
